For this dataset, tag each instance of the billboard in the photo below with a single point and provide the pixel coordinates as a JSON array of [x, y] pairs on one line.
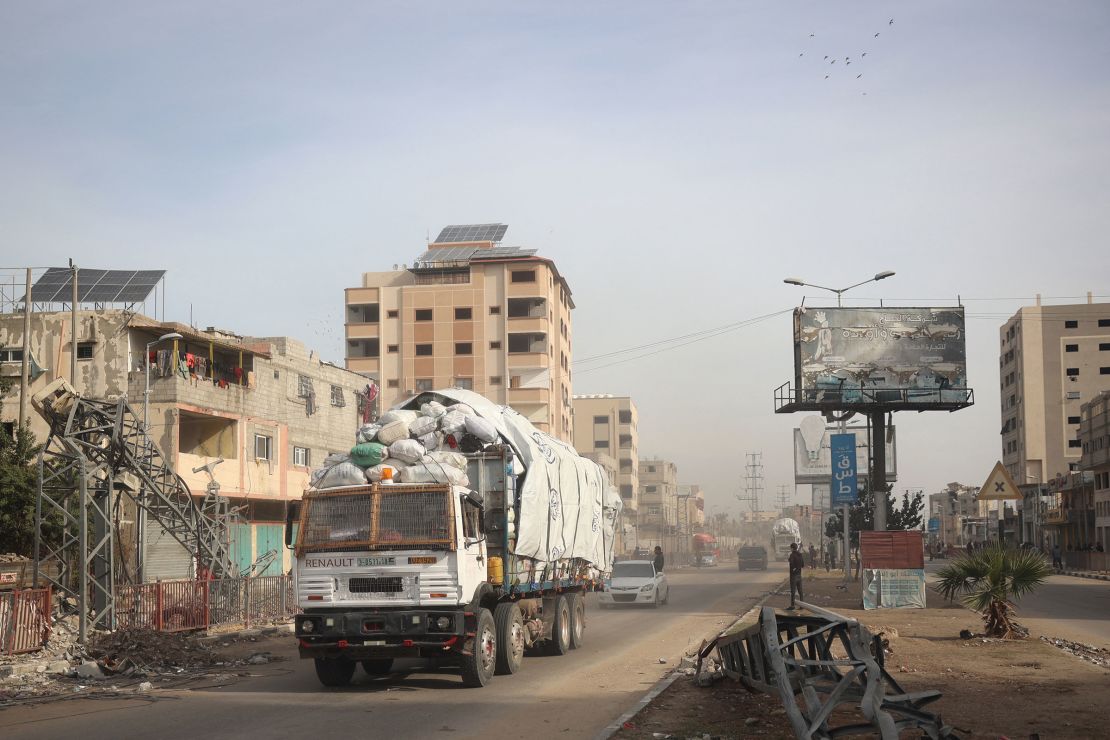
[[815, 465], [858, 356], [845, 489], [820, 493]]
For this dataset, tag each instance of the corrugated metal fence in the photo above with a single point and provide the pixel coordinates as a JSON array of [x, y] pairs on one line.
[[175, 606], [24, 620]]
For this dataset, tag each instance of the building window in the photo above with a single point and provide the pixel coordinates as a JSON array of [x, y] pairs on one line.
[[495, 380], [1073, 443], [263, 447], [423, 350], [1072, 372], [1073, 395], [1071, 347], [1071, 324], [1104, 347], [463, 314], [651, 468], [337, 396], [601, 420], [391, 383], [301, 457], [1104, 371], [495, 310], [84, 350], [423, 314], [464, 348], [625, 441], [467, 384], [651, 489], [601, 444], [304, 386], [1073, 419], [523, 276], [495, 345], [11, 354], [1104, 322], [626, 491], [625, 417], [392, 313], [423, 384], [391, 348]]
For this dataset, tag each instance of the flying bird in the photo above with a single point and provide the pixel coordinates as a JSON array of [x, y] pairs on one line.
[[859, 75], [826, 56], [847, 62], [889, 24], [833, 62], [876, 35], [811, 35], [863, 54], [826, 77], [802, 54]]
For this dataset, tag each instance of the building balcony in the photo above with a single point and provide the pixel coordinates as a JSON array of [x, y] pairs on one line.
[[528, 324], [529, 360], [363, 331], [175, 389], [364, 365], [529, 395]]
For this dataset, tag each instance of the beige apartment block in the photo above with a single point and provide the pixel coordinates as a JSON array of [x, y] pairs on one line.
[[1094, 432], [610, 424], [657, 523], [266, 406], [472, 314]]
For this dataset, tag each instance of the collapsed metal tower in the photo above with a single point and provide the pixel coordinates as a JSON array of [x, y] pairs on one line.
[[97, 462]]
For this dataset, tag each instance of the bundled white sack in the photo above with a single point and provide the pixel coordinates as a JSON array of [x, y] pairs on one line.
[[446, 457], [482, 429], [462, 408], [428, 470], [329, 462], [343, 474], [407, 450], [367, 432], [453, 422], [374, 474], [393, 431], [423, 425], [431, 440], [398, 415], [433, 409]]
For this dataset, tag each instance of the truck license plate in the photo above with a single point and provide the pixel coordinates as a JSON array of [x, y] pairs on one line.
[[374, 642]]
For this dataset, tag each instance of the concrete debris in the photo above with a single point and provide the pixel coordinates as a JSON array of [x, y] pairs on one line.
[[259, 658], [141, 652], [751, 721], [88, 670], [59, 668], [1090, 653], [144, 687], [663, 661]]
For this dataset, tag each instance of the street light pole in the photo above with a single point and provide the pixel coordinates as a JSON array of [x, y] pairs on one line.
[[878, 468], [141, 514]]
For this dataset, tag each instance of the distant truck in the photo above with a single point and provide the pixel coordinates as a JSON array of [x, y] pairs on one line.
[[784, 532], [705, 550], [468, 576]]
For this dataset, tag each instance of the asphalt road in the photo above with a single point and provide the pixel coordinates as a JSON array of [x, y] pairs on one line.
[[575, 695]]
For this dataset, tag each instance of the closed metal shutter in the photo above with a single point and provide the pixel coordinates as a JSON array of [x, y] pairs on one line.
[[164, 558]]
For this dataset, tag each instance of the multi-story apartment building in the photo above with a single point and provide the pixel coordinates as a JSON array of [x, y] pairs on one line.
[[471, 314], [657, 523], [1052, 359], [1094, 433], [251, 414], [610, 424]]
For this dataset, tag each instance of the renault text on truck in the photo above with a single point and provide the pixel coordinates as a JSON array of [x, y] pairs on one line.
[[469, 576]]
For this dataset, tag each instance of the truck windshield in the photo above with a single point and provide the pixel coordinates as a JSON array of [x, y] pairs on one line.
[[376, 520], [633, 570]]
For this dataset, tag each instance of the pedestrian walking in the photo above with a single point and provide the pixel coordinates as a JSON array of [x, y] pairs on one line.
[[830, 556], [812, 556], [1057, 560], [658, 560], [796, 563]]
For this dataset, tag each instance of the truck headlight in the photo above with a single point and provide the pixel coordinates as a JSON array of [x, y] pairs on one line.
[[647, 588], [443, 623], [307, 625]]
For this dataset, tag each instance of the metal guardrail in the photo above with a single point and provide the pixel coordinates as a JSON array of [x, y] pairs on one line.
[[818, 662], [24, 620], [176, 606]]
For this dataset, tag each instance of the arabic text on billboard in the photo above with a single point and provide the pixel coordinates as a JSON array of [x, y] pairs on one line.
[[844, 486], [816, 468], [877, 355]]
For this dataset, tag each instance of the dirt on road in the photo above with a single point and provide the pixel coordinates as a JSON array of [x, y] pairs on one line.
[[991, 688]]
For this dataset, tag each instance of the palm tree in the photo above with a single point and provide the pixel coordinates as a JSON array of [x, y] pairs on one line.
[[989, 578]]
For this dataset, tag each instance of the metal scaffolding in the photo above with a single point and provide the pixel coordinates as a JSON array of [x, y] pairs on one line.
[[97, 461]]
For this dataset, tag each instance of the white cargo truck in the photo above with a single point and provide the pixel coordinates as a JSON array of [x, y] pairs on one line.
[[470, 576], [784, 532]]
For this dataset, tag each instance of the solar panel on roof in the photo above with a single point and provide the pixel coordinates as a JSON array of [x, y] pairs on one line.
[[95, 286], [472, 233]]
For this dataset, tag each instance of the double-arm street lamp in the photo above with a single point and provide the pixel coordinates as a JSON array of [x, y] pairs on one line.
[[839, 291], [140, 563], [146, 362]]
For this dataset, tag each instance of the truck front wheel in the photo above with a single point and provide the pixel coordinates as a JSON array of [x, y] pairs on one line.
[[377, 667], [560, 630], [478, 667], [577, 620], [510, 638], [334, 671]]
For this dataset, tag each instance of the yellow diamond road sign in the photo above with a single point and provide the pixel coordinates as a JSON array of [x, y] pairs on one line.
[[999, 486]]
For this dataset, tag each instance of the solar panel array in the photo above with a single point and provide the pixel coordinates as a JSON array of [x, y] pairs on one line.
[[472, 233], [466, 254], [95, 286]]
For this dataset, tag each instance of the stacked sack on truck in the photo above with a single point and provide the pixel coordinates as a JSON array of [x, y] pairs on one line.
[[419, 447]]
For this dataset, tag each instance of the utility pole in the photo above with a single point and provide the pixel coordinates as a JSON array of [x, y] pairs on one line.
[[25, 367], [783, 498], [878, 469], [73, 328], [753, 485]]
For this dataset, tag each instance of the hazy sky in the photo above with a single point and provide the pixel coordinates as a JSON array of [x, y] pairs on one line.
[[676, 159]]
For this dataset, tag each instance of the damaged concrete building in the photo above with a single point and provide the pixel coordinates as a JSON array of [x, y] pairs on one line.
[[251, 414]]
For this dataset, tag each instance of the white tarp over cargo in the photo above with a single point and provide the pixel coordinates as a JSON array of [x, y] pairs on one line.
[[568, 509]]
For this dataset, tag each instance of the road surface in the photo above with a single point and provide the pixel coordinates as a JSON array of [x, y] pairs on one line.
[[570, 696]]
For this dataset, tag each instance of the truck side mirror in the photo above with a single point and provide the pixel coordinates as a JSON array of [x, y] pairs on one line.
[[292, 514]]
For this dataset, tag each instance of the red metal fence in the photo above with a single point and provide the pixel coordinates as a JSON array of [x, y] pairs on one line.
[[24, 620], [174, 606]]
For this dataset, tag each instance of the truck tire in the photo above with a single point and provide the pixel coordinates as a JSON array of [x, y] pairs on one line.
[[510, 638], [377, 667], [334, 671], [560, 628], [577, 620], [479, 666]]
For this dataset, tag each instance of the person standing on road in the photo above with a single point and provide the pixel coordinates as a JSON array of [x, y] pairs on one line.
[[658, 560], [796, 562], [830, 556], [812, 556], [1057, 561]]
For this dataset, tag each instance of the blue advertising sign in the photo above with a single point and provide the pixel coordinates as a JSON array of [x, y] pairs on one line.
[[844, 489], [934, 524]]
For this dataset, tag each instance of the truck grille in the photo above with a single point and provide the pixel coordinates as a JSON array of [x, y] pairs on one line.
[[624, 597], [376, 585]]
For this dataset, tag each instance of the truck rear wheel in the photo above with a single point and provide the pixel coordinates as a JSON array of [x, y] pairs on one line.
[[510, 638], [560, 629], [479, 666], [377, 667], [334, 671], [577, 620]]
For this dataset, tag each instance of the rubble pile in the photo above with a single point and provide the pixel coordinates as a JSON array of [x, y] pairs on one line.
[[135, 651], [1090, 653], [407, 446]]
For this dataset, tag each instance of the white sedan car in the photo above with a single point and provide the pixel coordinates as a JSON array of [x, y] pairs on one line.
[[635, 582]]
